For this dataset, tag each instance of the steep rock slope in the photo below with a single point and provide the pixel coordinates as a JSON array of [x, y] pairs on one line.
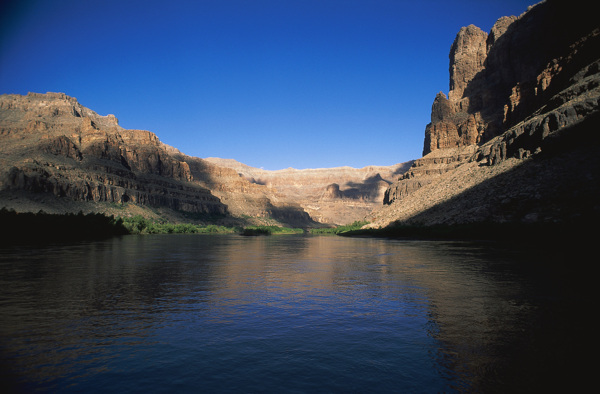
[[516, 138]]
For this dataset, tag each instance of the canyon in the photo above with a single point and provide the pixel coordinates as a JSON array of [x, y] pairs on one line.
[[515, 140]]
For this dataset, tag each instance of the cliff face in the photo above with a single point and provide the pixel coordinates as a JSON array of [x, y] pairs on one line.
[[523, 94], [59, 156], [52, 144], [338, 195], [499, 79]]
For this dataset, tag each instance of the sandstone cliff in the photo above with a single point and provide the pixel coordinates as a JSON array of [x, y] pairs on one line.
[[340, 195], [515, 139], [59, 156], [53, 145]]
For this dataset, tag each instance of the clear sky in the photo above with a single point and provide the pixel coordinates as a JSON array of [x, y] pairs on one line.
[[270, 83]]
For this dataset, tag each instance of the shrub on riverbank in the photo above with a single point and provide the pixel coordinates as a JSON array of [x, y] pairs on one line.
[[255, 231], [140, 225], [339, 229], [268, 230]]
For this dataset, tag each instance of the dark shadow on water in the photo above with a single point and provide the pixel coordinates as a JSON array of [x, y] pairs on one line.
[[551, 198]]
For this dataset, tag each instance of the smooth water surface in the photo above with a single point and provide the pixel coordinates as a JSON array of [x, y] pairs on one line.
[[226, 313]]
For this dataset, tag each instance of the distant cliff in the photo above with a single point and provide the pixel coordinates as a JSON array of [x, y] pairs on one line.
[[339, 195], [515, 139]]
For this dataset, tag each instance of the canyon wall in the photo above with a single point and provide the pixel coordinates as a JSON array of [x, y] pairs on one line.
[[52, 145], [339, 195], [499, 79], [523, 97], [57, 153], [59, 156]]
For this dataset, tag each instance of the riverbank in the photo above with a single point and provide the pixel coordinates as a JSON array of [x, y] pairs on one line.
[[37, 227], [41, 226]]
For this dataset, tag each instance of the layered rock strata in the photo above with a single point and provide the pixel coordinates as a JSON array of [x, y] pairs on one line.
[[338, 195], [499, 79], [517, 95], [58, 155], [52, 146]]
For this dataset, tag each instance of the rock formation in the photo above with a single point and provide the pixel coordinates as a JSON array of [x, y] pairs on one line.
[[338, 195], [52, 145], [499, 79], [59, 156], [519, 125]]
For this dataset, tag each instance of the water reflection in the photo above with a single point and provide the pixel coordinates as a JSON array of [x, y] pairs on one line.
[[229, 313]]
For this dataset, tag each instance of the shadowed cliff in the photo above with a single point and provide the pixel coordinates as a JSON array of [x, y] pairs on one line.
[[515, 141]]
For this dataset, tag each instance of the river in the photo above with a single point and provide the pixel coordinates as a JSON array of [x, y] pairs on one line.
[[284, 314]]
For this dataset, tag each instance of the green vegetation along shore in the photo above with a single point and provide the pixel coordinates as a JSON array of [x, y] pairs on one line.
[[269, 230], [339, 229], [140, 225], [41, 226]]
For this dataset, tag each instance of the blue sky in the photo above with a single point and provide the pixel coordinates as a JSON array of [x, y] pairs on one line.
[[273, 84]]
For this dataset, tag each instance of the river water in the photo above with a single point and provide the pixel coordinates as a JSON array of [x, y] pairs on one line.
[[284, 314]]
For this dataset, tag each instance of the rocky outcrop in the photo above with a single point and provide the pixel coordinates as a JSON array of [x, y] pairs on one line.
[[518, 96], [426, 169], [499, 79]]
